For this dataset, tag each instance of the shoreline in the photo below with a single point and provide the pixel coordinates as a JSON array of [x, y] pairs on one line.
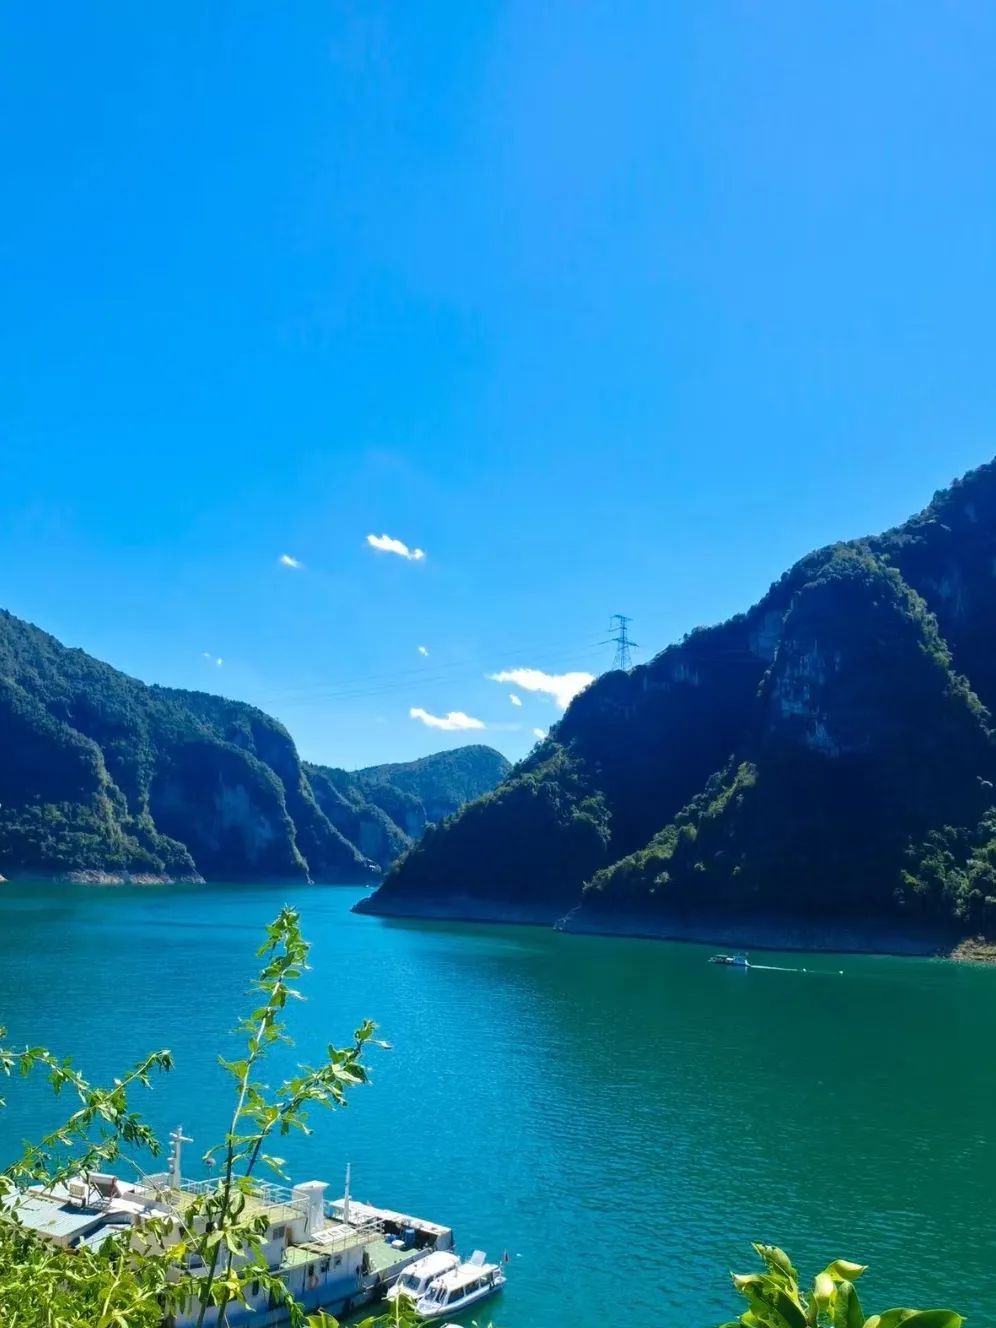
[[93, 876], [804, 936]]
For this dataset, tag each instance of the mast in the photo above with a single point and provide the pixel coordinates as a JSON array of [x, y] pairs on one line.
[[345, 1199], [177, 1138]]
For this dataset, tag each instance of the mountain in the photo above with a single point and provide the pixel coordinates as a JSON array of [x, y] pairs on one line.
[[827, 755], [102, 774], [384, 808]]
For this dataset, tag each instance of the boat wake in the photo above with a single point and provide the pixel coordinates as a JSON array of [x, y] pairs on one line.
[[778, 968]]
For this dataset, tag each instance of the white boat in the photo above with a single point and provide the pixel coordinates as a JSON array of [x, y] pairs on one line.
[[415, 1281], [454, 1291]]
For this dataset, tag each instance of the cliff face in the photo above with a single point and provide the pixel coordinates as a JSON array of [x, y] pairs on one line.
[[100, 773], [826, 754]]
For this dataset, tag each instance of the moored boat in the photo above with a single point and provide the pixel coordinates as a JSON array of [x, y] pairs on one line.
[[460, 1288], [415, 1281], [733, 960]]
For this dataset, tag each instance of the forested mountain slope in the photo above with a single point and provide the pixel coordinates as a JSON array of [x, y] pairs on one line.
[[827, 754], [384, 808], [100, 773]]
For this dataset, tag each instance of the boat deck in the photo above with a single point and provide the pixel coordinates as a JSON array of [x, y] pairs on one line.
[[428, 1235]]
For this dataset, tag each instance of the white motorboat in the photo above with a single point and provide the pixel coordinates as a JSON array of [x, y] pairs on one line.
[[415, 1281], [454, 1291]]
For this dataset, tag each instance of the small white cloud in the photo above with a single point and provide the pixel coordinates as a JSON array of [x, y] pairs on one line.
[[285, 560], [516, 700], [423, 651], [563, 687], [386, 544], [539, 733], [452, 722], [219, 662], [206, 654]]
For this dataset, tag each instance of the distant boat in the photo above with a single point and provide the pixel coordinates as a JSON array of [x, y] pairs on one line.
[[733, 960]]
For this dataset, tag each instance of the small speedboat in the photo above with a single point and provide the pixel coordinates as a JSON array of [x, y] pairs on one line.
[[454, 1291], [415, 1281], [733, 960]]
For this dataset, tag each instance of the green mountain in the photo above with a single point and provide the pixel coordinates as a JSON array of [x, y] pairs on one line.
[[385, 808], [100, 773], [826, 755]]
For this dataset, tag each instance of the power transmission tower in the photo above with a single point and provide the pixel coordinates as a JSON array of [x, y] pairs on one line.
[[619, 625]]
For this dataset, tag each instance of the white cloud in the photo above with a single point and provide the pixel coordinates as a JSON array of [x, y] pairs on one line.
[[539, 733], [206, 654], [212, 659], [219, 661], [516, 700], [285, 560], [423, 651], [386, 544], [563, 687], [452, 722]]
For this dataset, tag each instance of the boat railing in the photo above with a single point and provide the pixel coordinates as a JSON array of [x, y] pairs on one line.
[[266, 1192], [338, 1237]]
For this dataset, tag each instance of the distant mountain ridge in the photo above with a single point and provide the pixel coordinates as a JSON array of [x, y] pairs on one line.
[[102, 775], [827, 755], [384, 809]]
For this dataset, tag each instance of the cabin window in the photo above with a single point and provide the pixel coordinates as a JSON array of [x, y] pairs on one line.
[[338, 1260], [255, 1287], [325, 1265], [278, 1233]]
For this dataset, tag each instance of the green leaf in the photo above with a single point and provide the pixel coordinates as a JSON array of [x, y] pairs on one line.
[[934, 1319], [823, 1289], [842, 1270], [772, 1306], [847, 1312], [776, 1259]]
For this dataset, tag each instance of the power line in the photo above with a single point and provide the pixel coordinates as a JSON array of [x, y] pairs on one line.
[[619, 624], [449, 673]]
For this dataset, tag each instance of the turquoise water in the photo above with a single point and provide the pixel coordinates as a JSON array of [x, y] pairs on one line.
[[619, 1115]]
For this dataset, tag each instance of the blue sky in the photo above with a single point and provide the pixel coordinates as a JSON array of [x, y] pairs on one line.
[[604, 307]]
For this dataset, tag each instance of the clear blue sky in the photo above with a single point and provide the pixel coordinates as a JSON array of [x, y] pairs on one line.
[[608, 307]]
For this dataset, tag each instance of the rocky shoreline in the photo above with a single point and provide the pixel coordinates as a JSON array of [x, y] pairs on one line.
[[803, 935], [95, 876]]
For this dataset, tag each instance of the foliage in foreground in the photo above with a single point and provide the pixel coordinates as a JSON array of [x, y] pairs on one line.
[[43, 1286], [775, 1299]]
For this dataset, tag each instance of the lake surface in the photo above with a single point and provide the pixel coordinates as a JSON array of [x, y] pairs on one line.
[[619, 1115]]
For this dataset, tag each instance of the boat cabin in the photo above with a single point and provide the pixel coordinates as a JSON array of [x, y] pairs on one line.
[[419, 1276], [461, 1287]]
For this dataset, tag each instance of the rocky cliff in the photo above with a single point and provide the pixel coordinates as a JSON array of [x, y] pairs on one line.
[[827, 754], [103, 775]]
